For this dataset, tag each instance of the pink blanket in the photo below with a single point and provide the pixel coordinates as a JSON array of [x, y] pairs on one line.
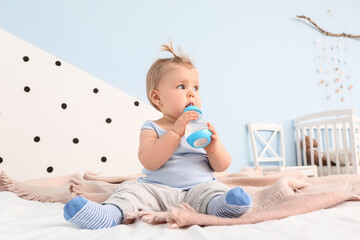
[[275, 196]]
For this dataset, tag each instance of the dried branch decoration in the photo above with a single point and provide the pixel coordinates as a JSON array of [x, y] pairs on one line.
[[328, 33]]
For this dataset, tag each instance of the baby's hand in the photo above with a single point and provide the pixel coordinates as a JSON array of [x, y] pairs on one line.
[[214, 139], [182, 121]]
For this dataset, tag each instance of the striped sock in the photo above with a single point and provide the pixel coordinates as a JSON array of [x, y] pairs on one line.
[[231, 204], [91, 215]]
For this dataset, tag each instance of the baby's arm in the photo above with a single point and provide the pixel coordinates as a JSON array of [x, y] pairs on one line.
[[219, 157], [154, 151]]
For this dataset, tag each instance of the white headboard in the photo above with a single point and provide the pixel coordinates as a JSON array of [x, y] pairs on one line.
[[56, 119]]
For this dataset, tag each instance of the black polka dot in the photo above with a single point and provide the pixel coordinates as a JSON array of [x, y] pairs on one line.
[[76, 140], [37, 139], [50, 169], [103, 159], [1, 160], [27, 89], [136, 103], [64, 106], [108, 120], [26, 58], [95, 90], [58, 63]]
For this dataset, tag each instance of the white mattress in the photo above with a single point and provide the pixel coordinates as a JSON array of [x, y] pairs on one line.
[[22, 219]]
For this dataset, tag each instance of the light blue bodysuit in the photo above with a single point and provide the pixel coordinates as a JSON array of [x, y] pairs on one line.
[[186, 168]]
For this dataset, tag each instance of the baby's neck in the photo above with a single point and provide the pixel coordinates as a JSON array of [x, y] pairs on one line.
[[165, 122]]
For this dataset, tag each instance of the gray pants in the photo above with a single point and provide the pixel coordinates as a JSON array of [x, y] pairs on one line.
[[137, 196]]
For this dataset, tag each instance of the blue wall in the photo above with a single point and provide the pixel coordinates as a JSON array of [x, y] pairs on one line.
[[256, 60]]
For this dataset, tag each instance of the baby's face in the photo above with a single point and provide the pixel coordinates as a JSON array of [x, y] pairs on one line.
[[178, 89]]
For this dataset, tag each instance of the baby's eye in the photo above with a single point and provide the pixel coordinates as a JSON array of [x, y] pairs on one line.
[[196, 88], [181, 86]]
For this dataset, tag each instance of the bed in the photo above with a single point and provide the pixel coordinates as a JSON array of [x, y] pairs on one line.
[[23, 219], [332, 139], [57, 120]]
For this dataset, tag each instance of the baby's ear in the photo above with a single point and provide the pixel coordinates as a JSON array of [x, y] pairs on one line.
[[155, 98]]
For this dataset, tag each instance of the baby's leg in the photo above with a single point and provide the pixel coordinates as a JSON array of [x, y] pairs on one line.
[[231, 204], [91, 215], [217, 199]]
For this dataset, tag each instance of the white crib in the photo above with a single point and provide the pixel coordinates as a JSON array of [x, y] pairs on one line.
[[333, 139]]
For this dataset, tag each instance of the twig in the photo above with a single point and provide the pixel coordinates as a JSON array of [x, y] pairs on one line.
[[328, 33]]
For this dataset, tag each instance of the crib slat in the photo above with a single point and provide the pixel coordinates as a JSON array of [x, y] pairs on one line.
[[354, 138], [346, 148], [336, 143], [327, 149], [311, 141], [298, 151], [320, 149], [304, 146]]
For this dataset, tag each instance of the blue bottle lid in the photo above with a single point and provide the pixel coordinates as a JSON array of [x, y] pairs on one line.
[[193, 108], [199, 139]]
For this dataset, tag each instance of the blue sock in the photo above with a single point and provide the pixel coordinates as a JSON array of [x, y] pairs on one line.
[[231, 204], [91, 215]]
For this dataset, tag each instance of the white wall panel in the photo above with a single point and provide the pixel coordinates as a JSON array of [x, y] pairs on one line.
[[34, 88]]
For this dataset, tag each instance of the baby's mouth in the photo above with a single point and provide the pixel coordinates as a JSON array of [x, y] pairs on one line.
[[190, 104]]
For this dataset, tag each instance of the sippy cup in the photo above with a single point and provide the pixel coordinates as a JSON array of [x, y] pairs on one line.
[[197, 133]]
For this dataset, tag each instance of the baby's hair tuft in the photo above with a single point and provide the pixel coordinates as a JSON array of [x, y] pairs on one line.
[[177, 58], [168, 48], [162, 65]]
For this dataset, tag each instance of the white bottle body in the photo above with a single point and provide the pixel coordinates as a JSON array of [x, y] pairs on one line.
[[197, 133], [196, 125]]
